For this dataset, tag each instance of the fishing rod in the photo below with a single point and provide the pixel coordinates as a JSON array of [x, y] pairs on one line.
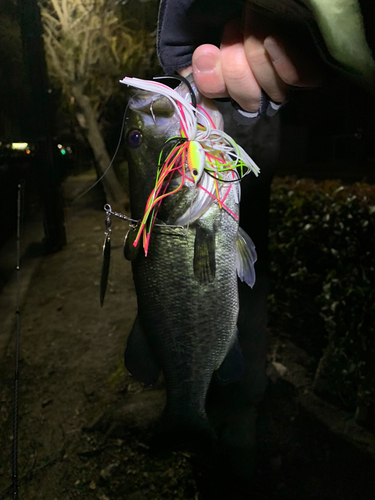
[[17, 347]]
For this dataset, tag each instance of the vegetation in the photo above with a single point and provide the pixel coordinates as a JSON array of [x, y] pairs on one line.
[[322, 243], [89, 47]]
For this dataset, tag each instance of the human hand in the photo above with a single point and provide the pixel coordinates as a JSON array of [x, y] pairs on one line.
[[248, 61]]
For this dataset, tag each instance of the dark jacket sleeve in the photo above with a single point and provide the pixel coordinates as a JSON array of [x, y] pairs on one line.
[[186, 24]]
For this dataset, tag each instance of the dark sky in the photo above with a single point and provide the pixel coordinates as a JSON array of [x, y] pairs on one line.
[[13, 91]]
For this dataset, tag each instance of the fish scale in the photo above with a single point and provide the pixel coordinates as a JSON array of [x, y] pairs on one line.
[[192, 324]]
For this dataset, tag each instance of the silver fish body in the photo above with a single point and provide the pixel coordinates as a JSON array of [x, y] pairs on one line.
[[186, 287]]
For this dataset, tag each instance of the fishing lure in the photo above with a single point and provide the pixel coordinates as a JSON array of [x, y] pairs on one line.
[[201, 152]]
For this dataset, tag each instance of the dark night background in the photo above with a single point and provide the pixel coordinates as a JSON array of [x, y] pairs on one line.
[[326, 133]]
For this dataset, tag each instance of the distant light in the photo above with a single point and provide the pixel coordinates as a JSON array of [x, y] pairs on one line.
[[63, 150], [20, 146]]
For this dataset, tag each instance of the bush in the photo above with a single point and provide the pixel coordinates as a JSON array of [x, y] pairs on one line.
[[322, 242]]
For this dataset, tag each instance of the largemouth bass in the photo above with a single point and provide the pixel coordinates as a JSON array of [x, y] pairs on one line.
[[186, 286]]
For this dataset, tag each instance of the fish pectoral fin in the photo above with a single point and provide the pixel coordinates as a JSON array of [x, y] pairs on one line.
[[233, 366], [246, 258], [138, 357], [204, 255]]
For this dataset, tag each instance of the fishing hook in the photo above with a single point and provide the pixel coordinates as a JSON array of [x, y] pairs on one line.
[[183, 80]]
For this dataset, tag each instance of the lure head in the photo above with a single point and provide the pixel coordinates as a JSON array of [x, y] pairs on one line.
[[196, 159]]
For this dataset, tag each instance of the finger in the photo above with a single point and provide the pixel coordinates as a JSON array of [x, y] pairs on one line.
[[258, 58], [207, 71], [239, 79], [263, 69], [298, 74]]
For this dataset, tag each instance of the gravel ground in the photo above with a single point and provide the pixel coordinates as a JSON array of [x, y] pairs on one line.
[[85, 426]]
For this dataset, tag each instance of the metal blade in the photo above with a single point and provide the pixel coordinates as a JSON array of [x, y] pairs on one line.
[[106, 258]]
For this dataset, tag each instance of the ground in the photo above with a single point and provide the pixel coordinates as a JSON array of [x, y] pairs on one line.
[[85, 425]]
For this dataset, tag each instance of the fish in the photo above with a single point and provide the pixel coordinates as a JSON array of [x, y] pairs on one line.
[[185, 277]]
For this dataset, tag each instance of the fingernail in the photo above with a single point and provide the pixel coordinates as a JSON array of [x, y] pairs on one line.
[[274, 49], [205, 63]]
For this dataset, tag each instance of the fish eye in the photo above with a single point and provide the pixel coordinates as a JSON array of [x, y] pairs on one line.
[[134, 138]]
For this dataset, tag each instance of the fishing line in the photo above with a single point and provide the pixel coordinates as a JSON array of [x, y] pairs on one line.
[[69, 265], [111, 162]]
